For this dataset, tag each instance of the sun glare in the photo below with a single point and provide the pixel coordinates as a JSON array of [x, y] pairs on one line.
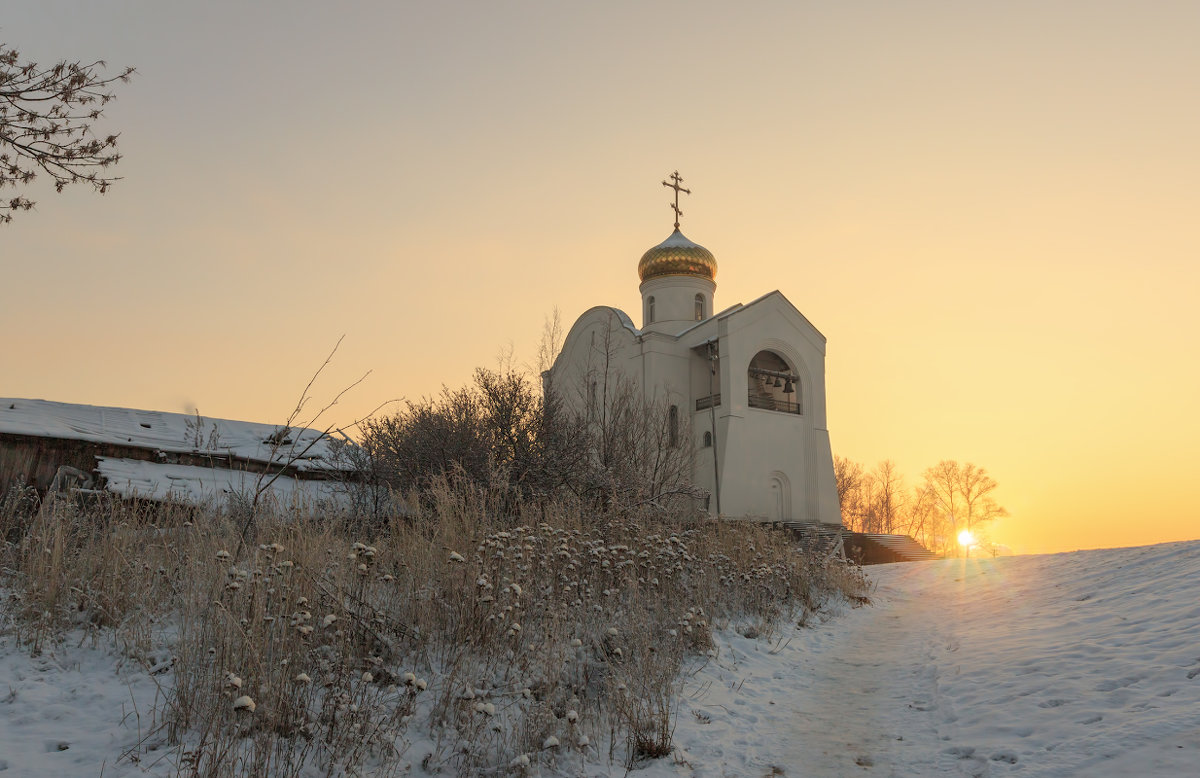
[[965, 538]]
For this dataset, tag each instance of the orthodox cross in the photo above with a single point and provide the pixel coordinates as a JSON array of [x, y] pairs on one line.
[[676, 180]]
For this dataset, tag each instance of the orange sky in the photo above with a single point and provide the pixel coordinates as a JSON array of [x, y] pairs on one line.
[[988, 209]]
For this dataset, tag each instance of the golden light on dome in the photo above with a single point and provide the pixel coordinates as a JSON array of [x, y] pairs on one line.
[[678, 256]]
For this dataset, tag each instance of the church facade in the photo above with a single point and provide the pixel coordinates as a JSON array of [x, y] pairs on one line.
[[745, 386]]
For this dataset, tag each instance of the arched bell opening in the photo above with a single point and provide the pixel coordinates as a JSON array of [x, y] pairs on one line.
[[773, 384]]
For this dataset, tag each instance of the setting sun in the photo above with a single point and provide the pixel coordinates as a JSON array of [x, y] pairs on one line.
[[966, 538]]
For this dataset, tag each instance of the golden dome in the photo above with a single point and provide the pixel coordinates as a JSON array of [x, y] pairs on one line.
[[678, 256]]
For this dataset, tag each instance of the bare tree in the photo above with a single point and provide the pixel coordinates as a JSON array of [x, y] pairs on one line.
[[941, 481], [885, 497], [46, 118], [641, 447], [963, 495], [848, 476], [550, 343], [500, 433], [979, 503], [874, 501], [925, 521]]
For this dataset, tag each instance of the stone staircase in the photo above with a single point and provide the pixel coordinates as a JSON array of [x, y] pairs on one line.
[[878, 549], [862, 547]]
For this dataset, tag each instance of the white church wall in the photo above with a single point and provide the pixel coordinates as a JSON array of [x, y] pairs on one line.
[[769, 442], [601, 344], [674, 301]]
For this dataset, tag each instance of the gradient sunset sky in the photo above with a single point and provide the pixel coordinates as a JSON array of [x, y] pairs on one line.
[[990, 209]]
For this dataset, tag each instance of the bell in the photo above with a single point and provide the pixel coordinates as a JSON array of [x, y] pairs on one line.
[[777, 382], [787, 388]]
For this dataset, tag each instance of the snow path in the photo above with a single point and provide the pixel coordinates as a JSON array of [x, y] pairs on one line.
[[1061, 665], [871, 692]]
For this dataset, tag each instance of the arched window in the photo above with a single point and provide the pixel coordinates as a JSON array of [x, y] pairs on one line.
[[699, 307], [650, 309], [708, 440], [673, 428]]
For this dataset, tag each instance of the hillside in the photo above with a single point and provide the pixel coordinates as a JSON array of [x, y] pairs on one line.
[[1085, 663]]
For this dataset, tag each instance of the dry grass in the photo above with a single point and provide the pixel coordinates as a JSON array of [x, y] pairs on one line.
[[542, 639]]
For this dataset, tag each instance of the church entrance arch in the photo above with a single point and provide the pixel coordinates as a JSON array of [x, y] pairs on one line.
[[779, 505]]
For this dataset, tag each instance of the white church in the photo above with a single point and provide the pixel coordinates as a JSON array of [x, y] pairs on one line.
[[747, 383]]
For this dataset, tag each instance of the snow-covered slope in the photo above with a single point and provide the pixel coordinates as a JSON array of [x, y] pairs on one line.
[[1081, 664], [1084, 664]]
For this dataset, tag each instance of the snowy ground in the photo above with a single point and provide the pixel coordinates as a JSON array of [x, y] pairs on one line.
[[1081, 664]]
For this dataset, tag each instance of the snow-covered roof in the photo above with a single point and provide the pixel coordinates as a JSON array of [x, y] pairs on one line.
[[215, 487], [305, 449]]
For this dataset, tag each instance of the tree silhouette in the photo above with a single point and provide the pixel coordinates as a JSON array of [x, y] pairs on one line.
[[46, 118]]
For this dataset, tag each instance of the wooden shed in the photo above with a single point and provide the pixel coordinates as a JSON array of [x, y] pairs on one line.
[[159, 455]]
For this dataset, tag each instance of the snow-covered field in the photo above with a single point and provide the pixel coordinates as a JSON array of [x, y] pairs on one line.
[[1081, 664]]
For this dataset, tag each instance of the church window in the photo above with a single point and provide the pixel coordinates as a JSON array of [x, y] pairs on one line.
[[650, 309], [699, 307], [673, 429], [708, 440]]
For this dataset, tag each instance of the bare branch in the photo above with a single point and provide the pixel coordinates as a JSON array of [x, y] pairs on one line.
[[46, 117]]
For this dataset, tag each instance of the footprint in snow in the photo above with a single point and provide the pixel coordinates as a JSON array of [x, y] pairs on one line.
[[1113, 684], [1054, 703]]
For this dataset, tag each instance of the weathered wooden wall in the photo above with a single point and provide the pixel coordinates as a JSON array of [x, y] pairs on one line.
[[27, 460], [30, 460]]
